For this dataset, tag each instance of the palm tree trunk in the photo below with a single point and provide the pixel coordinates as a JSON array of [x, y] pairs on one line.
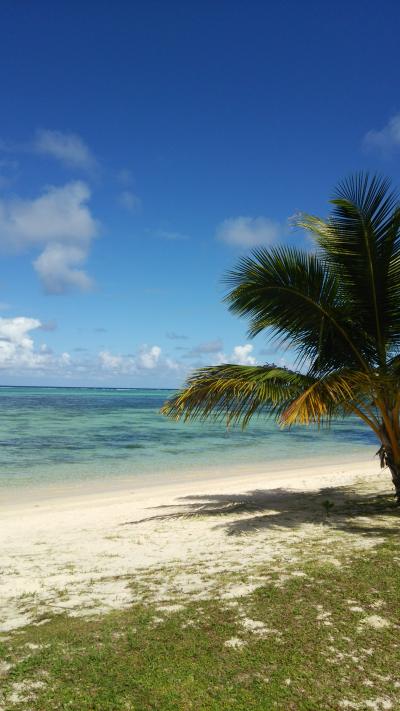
[[395, 472], [387, 460]]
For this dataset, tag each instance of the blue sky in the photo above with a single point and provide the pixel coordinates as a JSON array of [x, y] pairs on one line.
[[144, 146]]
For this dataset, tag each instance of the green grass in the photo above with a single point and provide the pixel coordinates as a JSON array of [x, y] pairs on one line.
[[317, 654]]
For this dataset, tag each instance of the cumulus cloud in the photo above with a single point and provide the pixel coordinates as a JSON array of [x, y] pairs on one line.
[[149, 361], [68, 148], [59, 214], [17, 350], [249, 231], [57, 269], [241, 355], [16, 330], [108, 361], [19, 355], [387, 138], [58, 220], [148, 358], [128, 200]]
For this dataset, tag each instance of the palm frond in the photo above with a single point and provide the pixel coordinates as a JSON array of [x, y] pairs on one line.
[[360, 244], [336, 394], [295, 294], [235, 393]]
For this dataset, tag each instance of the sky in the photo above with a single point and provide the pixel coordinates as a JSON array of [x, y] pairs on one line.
[[146, 146]]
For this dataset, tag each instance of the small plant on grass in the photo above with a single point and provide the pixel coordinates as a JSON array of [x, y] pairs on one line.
[[328, 506]]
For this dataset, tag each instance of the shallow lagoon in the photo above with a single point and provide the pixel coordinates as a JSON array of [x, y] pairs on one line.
[[54, 435]]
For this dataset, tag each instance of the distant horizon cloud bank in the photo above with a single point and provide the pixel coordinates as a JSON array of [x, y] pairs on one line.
[[20, 355]]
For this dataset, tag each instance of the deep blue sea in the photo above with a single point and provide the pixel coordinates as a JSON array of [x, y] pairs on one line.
[[74, 434]]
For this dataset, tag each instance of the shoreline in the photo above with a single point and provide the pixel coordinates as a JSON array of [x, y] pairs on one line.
[[91, 488]]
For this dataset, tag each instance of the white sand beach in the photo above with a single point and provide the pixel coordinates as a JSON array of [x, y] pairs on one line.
[[90, 551]]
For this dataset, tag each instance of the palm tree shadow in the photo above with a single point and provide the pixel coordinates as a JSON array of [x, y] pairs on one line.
[[354, 512]]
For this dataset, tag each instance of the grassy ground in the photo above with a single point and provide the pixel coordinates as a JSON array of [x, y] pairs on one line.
[[325, 636]]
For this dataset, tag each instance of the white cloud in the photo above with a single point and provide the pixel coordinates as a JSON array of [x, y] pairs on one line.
[[174, 365], [16, 330], [17, 351], [249, 231], [20, 356], [65, 359], [57, 215], [68, 148], [58, 220], [56, 267], [148, 358], [44, 348], [240, 356], [114, 362], [130, 201], [387, 139]]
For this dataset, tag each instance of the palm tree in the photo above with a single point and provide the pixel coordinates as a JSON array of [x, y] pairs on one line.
[[338, 307]]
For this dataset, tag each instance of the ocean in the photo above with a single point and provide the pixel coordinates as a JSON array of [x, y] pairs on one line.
[[62, 435]]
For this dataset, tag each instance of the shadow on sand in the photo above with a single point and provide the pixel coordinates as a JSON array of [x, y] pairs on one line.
[[354, 512]]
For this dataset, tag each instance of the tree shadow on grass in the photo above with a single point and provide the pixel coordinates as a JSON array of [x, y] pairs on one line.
[[366, 514]]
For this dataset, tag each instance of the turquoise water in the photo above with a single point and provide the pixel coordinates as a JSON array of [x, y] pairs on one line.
[[72, 434]]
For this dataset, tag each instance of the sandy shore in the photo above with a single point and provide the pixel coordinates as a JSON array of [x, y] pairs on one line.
[[89, 552]]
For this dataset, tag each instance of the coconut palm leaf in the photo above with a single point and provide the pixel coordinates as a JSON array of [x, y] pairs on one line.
[[235, 393], [360, 244], [295, 295], [340, 393]]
